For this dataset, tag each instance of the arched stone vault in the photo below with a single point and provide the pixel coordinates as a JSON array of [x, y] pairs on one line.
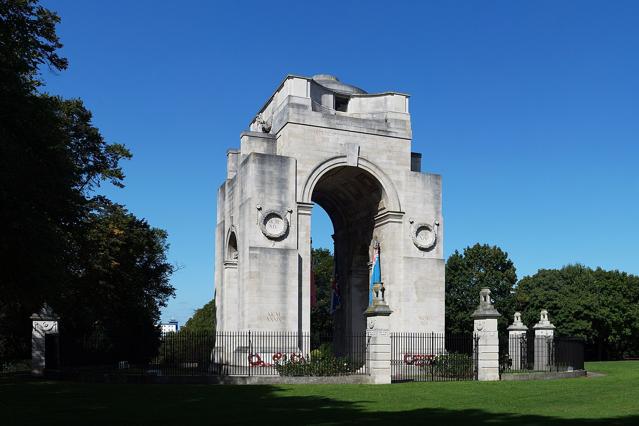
[[352, 157], [390, 195], [352, 197]]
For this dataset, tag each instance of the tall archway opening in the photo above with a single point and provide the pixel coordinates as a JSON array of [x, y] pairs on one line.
[[351, 197], [322, 274]]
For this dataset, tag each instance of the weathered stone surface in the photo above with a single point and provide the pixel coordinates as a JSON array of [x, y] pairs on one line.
[[544, 334], [304, 147], [516, 342], [379, 347], [485, 327], [44, 322]]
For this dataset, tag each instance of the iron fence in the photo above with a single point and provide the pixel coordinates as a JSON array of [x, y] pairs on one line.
[[433, 357], [289, 354], [569, 353], [529, 353], [186, 353], [244, 353]]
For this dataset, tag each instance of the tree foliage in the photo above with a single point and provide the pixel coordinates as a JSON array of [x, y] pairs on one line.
[[321, 317], [600, 306], [120, 263], [203, 319], [58, 242], [27, 41], [467, 273]]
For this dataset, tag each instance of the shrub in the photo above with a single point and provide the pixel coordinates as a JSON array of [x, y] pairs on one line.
[[15, 366], [320, 363], [453, 365]]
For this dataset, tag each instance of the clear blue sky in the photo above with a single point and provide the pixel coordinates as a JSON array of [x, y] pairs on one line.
[[529, 110]]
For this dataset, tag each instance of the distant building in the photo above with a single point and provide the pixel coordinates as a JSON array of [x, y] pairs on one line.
[[169, 327]]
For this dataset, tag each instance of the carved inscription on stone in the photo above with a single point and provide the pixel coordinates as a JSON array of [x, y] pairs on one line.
[[273, 317], [424, 234], [376, 332], [273, 224]]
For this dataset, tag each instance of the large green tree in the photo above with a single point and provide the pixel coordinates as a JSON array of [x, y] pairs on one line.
[[467, 273], [119, 283], [598, 305], [52, 159], [203, 319]]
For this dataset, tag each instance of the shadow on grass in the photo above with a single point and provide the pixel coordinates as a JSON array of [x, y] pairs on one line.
[[68, 403]]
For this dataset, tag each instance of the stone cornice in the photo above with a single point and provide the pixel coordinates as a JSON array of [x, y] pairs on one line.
[[230, 264], [304, 208], [388, 216]]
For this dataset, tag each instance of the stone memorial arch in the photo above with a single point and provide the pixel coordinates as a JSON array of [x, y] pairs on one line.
[[317, 140]]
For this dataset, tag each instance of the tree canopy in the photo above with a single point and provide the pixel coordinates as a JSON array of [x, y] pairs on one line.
[[598, 305], [203, 319], [61, 243], [321, 317], [27, 41], [467, 273]]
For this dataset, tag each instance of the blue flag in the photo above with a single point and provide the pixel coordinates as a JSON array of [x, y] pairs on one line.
[[376, 275]]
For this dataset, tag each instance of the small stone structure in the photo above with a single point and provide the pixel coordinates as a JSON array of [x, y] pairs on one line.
[[516, 342], [544, 333], [318, 140], [379, 339], [44, 323], [485, 328]]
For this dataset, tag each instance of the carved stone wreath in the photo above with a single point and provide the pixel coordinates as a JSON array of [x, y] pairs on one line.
[[273, 224], [424, 235]]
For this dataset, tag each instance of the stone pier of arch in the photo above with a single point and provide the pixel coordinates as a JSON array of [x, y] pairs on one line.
[[319, 141]]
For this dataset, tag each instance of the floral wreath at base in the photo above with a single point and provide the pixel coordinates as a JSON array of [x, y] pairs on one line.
[[419, 360]]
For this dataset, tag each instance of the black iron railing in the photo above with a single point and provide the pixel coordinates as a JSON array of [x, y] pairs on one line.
[[433, 357], [569, 353], [244, 353], [529, 353]]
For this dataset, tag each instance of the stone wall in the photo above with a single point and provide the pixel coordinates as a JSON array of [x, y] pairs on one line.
[[292, 157]]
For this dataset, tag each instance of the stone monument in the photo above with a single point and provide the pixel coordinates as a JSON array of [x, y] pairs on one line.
[[485, 327], [317, 140], [378, 335]]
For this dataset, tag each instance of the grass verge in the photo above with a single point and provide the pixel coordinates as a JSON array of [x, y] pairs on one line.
[[611, 399]]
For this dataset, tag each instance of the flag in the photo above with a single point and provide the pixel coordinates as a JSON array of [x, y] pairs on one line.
[[376, 275]]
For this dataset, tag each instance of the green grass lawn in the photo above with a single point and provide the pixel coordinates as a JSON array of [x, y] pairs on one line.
[[612, 399]]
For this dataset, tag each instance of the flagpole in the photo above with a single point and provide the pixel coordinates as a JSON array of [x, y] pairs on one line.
[[379, 259]]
